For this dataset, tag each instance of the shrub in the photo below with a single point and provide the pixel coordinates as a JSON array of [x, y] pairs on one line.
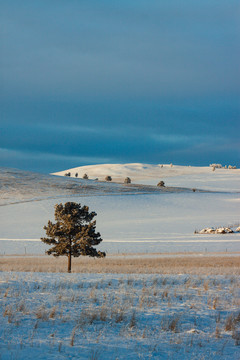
[[108, 178], [161, 183], [127, 180], [85, 176]]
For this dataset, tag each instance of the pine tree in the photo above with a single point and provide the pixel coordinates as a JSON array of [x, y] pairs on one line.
[[74, 233]]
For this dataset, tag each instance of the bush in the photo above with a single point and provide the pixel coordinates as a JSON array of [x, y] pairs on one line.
[[85, 176], [161, 183], [127, 180], [67, 174], [108, 178]]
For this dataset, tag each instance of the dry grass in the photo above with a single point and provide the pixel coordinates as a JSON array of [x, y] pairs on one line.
[[195, 264]]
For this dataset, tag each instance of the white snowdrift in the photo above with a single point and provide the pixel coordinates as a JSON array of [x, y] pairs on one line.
[[220, 230]]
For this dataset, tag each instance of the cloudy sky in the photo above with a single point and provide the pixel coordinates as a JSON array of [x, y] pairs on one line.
[[87, 82]]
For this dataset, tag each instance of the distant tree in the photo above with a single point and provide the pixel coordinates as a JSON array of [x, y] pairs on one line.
[[161, 183], [127, 180], [76, 175], [67, 174], [108, 178], [73, 234], [85, 176]]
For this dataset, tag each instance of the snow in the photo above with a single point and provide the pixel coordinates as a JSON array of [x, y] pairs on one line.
[[173, 175], [93, 316], [129, 219], [116, 316], [143, 223]]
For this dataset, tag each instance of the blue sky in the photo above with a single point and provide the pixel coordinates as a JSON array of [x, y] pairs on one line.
[[86, 82]]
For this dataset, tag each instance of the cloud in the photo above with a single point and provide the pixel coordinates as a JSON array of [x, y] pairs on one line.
[[95, 50], [45, 162], [122, 81], [175, 139]]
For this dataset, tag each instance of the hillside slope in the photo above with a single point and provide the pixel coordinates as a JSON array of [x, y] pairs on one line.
[[173, 175]]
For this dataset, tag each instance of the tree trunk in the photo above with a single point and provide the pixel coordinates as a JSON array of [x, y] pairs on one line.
[[69, 262]]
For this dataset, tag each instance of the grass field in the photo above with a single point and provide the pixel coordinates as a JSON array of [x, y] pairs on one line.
[[219, 264]]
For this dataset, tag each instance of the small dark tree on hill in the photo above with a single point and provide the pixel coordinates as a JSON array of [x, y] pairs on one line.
[[161, 183], [108, 178], [85, 177], [74, 233], [127, 180]]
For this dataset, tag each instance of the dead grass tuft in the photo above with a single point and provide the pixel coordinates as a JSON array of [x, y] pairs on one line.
[[42, 313], [171, 323], [231, 322]]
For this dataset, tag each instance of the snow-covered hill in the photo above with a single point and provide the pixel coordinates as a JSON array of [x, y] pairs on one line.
[[18, 186], [174, 175]]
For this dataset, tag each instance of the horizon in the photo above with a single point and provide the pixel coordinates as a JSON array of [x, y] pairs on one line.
[[94, 83]]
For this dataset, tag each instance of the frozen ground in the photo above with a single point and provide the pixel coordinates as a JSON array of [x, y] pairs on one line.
[[130, 219], [83, 316]]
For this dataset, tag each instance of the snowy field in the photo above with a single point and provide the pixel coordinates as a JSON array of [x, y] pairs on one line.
[[130, 223], [132, 218], [93, 316]]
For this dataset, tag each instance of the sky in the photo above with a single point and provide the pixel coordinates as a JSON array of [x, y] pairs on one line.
[[93, 82]]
